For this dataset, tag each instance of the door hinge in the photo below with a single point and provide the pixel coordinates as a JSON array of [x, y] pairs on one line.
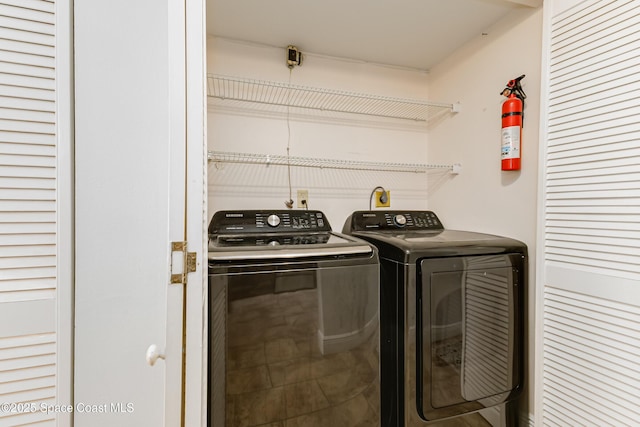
[[182, 260]]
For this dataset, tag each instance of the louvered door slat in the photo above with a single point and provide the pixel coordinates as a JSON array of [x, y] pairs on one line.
[[23, 12], [617, 172], [597, 235], [32, 290], [27, 58], [25, 127], [27, 116], [28, 228], [610, 179], [26, 70], [583, 206], [571, 236], [614, 165], [27, 149], [26, 81], [26, 373], [14, 183], [27, 206], [590, 228], [20, 251], [27, 37], [27, 26], [27, 93], [26, 48], [27, 104], [37, 5]]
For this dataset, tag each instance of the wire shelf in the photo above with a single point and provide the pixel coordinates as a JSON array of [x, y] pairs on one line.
[[279, 160], [284, 94]]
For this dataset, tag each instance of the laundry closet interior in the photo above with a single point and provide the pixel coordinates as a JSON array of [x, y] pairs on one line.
[[357, 113], [317, 107]]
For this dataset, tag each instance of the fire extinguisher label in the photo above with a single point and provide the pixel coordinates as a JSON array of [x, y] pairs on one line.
[[511, 142]]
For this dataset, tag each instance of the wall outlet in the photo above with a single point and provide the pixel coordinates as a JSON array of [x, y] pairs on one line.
[[386, 204], [303, 198]]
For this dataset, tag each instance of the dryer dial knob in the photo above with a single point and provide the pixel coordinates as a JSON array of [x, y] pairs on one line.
[[400, 220], [273, 220]]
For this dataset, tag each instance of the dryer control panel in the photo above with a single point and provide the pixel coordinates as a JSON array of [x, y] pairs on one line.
[[263, 221], [394, 220]]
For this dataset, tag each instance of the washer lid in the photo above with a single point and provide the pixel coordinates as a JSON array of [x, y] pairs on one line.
[[277, 246]]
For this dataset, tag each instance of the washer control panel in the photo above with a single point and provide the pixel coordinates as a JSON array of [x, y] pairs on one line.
[[262, 221], [394, 220]]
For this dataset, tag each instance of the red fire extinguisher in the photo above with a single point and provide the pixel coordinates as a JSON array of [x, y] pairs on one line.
[[512, 119]]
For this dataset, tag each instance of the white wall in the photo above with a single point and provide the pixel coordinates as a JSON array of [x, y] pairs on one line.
[[336, 192], [484, 198]]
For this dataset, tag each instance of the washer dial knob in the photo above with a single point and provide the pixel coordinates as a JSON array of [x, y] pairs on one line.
[[273, 220], [400, 220]]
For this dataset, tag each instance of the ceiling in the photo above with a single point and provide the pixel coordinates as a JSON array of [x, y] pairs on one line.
[[406, 33]]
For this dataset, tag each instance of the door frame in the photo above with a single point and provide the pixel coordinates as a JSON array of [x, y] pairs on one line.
[[196, 208], [65, 256]]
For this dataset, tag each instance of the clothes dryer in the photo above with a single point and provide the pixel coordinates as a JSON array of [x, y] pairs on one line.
[[452, 317]]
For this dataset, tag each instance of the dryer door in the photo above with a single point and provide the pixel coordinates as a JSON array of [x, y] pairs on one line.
[[469, 333]]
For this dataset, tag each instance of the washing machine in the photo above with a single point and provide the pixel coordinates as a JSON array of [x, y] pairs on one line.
[[452, 319], [293, 322]]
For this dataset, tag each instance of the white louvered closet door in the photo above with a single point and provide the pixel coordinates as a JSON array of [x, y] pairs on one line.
[[29, 212], [589, 305]]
